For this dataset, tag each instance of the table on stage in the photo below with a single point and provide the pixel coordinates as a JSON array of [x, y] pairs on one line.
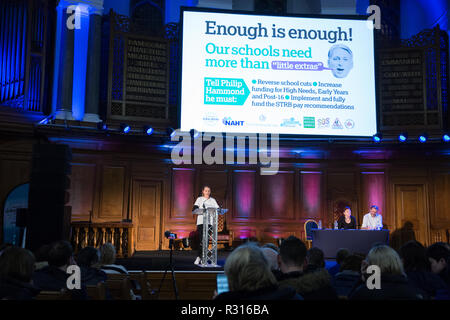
[[357, 241]]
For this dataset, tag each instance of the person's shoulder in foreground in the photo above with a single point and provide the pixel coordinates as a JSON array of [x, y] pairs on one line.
[[393, 287], [269, 293]]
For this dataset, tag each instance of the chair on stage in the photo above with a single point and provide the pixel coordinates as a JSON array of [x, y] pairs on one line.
[[224, 236], [309, 225]]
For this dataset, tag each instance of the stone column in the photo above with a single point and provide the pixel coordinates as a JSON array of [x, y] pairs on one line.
[[93, 66], [63, 66]]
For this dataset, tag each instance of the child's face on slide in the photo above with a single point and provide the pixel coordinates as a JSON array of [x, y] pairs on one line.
[[340, 63]]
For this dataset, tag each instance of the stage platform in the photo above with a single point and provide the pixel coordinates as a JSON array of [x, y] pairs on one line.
[[193, 282], [183, 260]]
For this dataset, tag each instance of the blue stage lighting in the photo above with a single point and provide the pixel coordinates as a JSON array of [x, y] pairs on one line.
[[102, 126], [377, 138], [125, 128], [403, 137], [423, 138], [148, 130], [170, 132], [194, 133], [446, 137]]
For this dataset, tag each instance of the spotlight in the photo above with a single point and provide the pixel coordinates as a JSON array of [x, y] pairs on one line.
[[148, 130], [44, 121], [194, 133], [125, 128], [102, 126], [423, 138], [170, 132], [446, 137], [403, 137], [377, 138]]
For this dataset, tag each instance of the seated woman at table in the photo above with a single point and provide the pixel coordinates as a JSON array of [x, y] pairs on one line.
[[347, 221]]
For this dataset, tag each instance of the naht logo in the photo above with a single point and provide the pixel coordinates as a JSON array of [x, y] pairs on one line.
[[74, 280], [374, 280]]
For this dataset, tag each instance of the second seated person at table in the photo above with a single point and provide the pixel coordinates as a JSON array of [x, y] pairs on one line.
[[372, 220], [347, 221], [203, 202]]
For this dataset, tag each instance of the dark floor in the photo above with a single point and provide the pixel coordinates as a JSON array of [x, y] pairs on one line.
[[159, 260]]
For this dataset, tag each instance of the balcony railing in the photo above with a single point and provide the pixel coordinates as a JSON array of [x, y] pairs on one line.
[[96, 234]]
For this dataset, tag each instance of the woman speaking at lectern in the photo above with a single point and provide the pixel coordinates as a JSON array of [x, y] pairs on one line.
[[203, 202]]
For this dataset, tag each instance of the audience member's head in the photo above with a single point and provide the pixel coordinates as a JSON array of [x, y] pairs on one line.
[[271, 257], [341, 255], [17, 263], [60, 254], [352, 263], [5, 246], [88, 257], [386, 258], [247, 269], [41, 254], [413, 255], [438, 256], [107, 254], [271, 246], [315, 257], [292, 255]]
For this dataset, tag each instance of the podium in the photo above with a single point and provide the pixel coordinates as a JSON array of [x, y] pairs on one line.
[[210, 217]]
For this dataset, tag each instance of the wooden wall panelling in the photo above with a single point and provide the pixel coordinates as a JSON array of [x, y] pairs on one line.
[[439, 206], [244, 203], [411, 212], [277, 196], [182, 196], [113, 192], [341, 192], [312, 195], [373, 185], [82, 190], [146, 213]]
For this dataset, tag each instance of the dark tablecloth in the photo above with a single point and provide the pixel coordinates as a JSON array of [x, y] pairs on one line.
[[357, 241]]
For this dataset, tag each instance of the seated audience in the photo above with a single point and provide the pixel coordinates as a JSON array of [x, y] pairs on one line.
[[415, 263], [340, 256], [250, 278], [271, 257], [88, 259], [108, 266], [54, 276], [16, 268], [394, 284], [349, 275], [311, 284], [438, 254], [41, 255], [271, 246], [108, 258], [315, 259]]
